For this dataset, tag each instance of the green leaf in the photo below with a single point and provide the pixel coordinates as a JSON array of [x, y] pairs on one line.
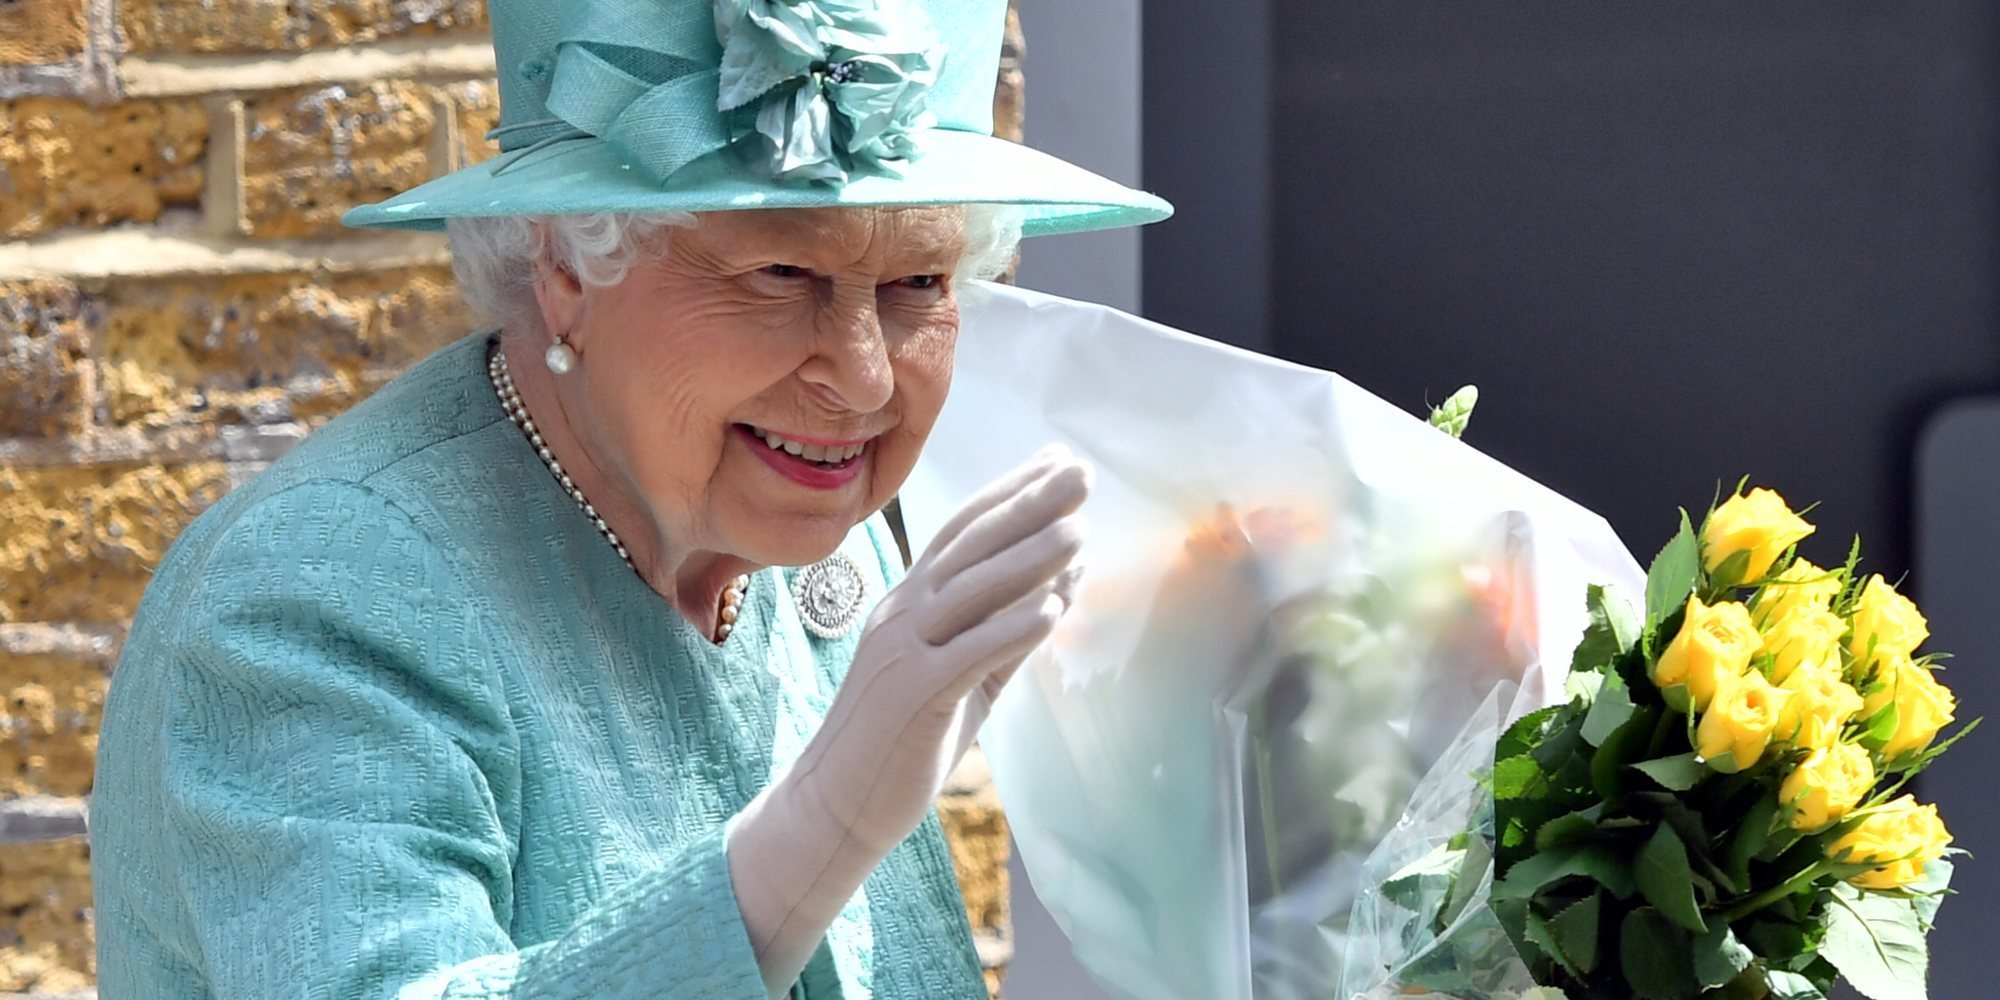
[[1568, 828], [1519, 778], [1612, 629], [1781, 942], [1677, 773], [1877, 943], [1881, 726], [1626, 745], [1595, 862], [1718, 956], [1574, 930], [1656, 956], [1469, 882], [1612, 709], [1544, 941], [1791, 986], [1730, 572], [1666, 880], [1582, 685], [1519, 821], [1560, 744], [1750, 836], [1526, 733], [1927, 894], [1455, 413], [1671, 577], [1421, 882]]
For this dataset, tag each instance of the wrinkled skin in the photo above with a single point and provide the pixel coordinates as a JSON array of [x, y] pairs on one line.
[[834, 324]]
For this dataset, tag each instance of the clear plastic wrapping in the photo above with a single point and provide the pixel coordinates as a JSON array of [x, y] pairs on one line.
[[1296, 596]]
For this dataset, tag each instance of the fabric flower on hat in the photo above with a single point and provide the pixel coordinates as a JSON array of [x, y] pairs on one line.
[[824, 86]]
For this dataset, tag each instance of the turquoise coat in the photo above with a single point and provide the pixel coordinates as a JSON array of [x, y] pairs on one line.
[[394, 720]]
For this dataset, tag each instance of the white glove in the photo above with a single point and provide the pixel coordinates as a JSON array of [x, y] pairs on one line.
[[935, 653]]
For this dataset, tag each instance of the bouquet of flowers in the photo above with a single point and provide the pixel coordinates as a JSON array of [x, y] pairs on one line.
[[1297, 594], [1717, 810]]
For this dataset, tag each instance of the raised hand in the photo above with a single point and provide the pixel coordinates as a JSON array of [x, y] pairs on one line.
[[933, 656]]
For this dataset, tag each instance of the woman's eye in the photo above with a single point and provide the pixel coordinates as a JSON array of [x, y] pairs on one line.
[[922, 281]]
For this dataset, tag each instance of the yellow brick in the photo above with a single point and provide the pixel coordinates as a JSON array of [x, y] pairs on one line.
[[50, 707], [64, 162], [238, 26], [43, 377], [310, 155], [40, 31], [412, 312], [257, 348], [81, 541], [1009, 97], [478, 105], [286, 25], [976, 830], [46, 940]]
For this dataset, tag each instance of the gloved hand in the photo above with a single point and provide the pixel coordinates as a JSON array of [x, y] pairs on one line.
[[934, 654]]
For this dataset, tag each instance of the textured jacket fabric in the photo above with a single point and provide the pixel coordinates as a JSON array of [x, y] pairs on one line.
[[394, 720]]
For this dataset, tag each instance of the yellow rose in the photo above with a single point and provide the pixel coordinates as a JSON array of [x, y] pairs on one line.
[[1887, 618], [1900, 838], [1758, 523], [1740, 722], [1923, 706], [1822, 702], [1826, 785], [1806, 635], [1714, 642], [1801, 585]]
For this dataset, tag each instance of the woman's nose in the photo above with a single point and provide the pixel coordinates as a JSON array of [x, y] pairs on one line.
[[851, 362]]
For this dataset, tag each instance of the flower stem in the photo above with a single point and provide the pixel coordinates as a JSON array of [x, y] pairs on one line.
[[1769, 896], [1260, 757], [1661, 727]]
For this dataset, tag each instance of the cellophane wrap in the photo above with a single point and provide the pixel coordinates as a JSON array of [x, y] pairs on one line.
[[1296, 596], [1420, 928]]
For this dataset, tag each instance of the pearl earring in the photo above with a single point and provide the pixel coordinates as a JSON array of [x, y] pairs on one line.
[[560, 358]]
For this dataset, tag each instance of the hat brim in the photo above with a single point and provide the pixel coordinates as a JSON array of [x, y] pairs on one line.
[[587, 175]]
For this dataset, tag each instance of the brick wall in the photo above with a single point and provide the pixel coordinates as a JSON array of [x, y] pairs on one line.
[[178, 306]]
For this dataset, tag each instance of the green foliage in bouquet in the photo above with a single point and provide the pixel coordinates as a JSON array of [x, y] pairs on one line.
[[1715, 811], [1455, 414]]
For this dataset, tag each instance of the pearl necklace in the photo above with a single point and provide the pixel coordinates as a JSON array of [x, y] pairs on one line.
[[517, 411]]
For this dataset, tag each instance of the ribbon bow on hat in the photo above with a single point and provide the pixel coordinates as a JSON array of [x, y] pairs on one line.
[[814, 87]]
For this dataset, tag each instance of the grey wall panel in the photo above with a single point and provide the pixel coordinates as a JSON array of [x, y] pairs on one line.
[[1083, 75], [1957, 554]]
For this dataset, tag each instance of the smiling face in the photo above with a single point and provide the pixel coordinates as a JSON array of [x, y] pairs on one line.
[[769, 381]]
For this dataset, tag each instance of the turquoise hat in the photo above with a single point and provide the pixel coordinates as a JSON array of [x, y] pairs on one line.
[[717, 105]]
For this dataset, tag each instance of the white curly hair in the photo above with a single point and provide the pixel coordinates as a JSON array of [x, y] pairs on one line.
[[494, 258]]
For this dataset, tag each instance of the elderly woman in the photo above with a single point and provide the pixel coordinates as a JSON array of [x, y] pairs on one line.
[[504, 684]]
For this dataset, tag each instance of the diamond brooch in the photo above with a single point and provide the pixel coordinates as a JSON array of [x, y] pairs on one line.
[[830, 594]]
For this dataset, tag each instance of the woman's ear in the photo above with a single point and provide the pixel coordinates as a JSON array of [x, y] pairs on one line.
[[559, 295]]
